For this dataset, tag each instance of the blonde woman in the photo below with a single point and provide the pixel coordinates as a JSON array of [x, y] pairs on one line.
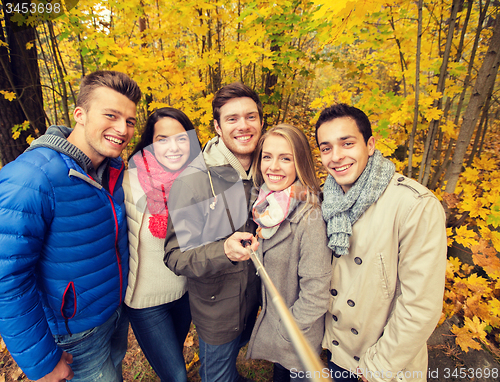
[[292, 246]]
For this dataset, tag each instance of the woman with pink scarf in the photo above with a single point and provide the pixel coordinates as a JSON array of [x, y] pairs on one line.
[[293, 248], [156, 299]]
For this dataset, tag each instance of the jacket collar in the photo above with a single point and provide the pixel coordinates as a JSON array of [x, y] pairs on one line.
[[217, 154]]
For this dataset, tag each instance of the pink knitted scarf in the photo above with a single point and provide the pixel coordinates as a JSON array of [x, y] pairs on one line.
[[156, 183]]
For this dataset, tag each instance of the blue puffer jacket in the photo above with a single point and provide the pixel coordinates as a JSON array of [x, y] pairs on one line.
[[63, 254]]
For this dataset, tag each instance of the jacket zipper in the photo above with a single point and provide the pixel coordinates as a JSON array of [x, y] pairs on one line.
[[117, 250]]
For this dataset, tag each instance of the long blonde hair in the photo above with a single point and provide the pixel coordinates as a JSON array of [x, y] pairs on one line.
[[302, 157]]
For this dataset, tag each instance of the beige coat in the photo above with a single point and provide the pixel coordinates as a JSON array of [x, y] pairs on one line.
[[298, 262], [150, 282], [387, 294]]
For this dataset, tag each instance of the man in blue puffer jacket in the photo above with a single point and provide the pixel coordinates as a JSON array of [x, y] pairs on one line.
[[63, 240]]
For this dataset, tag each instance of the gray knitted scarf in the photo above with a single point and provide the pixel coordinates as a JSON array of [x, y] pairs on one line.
[[341, 211]]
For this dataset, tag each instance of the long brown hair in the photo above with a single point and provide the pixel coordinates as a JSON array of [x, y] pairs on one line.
[[302, 157]]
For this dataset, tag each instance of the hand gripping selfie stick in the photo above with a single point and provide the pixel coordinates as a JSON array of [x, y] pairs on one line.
[[309, 359]]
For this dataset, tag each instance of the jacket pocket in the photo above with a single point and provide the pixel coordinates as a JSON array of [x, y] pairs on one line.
[[68, 304], [68, 341], [384, 277], [282, 332], [217, 300]]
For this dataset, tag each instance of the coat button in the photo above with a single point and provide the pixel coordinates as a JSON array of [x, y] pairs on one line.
[[358, 260], [336, 343], [354, 331], [356, 358], [212, 298], [333, 292], [350, 303], [235, 329], [401, 178], [334, 318]]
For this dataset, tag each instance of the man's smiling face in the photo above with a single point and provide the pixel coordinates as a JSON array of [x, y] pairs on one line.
[[344, 152], [240, 126], [108, 124]]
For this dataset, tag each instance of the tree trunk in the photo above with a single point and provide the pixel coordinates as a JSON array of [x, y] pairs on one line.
[[62, 82], [411, 142], [485, 79], [429, 144], [19, 74]]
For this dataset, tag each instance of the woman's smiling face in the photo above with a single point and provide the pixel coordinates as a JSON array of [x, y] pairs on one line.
[[277, 163], [171, 144]]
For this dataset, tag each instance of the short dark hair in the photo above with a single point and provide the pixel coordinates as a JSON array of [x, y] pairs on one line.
[[111, 79], [342, 110], [147, 135], [234, 90]]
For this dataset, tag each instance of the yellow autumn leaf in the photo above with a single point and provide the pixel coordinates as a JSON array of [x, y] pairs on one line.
[[449, 236], [475, 207], [476, 327], [495, 240], [467, 269], [16, 134], [465, 237], [433, 113], [471, 174], [29, 139], [453, 265], [478, 285], [29, 45], [485, 163], [495, 307], [9, 96], [486, 257], [450, 129], [475, 306], [465, 336], [492, 236]]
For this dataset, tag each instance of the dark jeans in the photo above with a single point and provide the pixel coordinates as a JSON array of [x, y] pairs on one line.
[[161, 332], [218, 362], [339, 374], [282, 374]]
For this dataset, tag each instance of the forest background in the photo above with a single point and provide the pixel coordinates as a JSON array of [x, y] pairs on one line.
[[425, 72]]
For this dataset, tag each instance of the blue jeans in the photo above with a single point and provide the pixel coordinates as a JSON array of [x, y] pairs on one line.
[[340, 374], [218, 362], [161, 332], [98, 352]]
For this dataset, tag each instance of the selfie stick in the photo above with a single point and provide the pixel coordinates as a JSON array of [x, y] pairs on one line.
[[308, 357]]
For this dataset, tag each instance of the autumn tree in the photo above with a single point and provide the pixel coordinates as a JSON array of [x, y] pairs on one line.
[[417, 68], [20, 89]]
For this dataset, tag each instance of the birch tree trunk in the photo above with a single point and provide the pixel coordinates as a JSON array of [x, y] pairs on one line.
[[485, 78]]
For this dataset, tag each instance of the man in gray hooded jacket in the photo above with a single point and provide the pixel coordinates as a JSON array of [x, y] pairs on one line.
[[209, 217]]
